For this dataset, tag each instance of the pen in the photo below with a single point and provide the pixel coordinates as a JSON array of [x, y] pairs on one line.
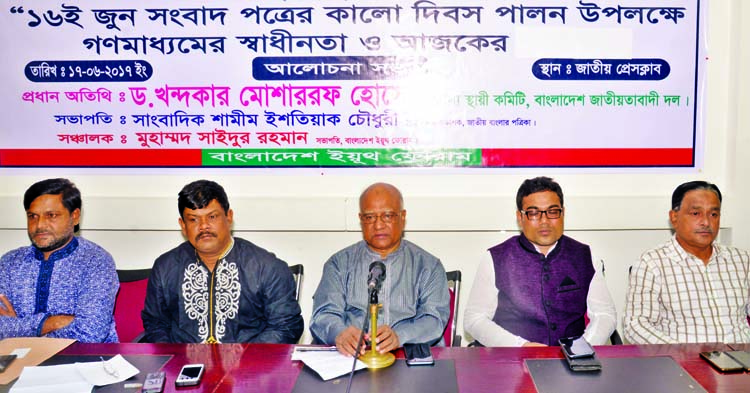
[[315, 349]]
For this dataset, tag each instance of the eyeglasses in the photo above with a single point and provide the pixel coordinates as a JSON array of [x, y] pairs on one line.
[[535, 214], [387, 217], [109, 369]]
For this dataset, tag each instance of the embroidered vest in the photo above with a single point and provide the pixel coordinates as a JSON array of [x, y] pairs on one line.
[[542, 299]]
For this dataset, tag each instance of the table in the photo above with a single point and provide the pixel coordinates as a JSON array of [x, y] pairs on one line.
[[268, 368]]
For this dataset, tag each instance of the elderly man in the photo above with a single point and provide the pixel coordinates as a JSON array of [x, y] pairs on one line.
[[691, 289], [539, 286], [414, 294], [215, 288], [61, 285]]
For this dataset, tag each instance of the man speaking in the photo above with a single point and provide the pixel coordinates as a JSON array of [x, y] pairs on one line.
[[414, 291]]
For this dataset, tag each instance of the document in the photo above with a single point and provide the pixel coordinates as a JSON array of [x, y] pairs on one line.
[[326, 361], [73, 378]]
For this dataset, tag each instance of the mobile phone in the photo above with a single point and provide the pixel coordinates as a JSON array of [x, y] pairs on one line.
[[742, 357], [190, 375], [5, 361], [722, 362], [418, 355], [576, 347], [154, 382]]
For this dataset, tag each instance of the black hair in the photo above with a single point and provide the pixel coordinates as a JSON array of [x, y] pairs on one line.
[[71, 196], [679, 193], [199, 194], [537, 184]]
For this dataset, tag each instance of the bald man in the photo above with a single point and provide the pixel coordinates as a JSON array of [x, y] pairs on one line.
[[414, 293]]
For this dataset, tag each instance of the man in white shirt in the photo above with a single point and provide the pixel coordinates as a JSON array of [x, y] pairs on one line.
[[541, 285], [690, 289]]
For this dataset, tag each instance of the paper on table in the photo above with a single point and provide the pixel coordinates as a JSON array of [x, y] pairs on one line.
[[73, 378], [63, 378], [328, 364], [37, 350], [114, 370]]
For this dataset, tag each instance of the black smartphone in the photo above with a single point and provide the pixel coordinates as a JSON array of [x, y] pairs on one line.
[[190, 375], [418, 355], [576, 347], [722, 362], [5, 361], [742, 357]]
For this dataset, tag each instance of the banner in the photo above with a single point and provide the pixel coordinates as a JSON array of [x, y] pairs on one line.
[[484, 84]]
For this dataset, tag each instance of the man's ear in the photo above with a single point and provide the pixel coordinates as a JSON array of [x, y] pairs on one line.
[[519, 218], [182, 226], [76, 216], [673, 218]]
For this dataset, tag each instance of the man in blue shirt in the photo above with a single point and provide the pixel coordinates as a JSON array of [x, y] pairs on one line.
[[61, 285]]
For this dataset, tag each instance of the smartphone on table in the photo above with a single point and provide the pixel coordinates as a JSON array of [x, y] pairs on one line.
[[576, 347], [5, 361], [722, 362], [190, 375]]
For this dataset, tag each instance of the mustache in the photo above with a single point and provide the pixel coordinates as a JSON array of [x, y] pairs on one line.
[[204, 233]]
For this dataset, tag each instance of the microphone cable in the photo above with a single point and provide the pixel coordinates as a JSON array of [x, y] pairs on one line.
[[359, 346]]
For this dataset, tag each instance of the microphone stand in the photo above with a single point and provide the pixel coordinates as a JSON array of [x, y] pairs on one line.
[[372, 358]]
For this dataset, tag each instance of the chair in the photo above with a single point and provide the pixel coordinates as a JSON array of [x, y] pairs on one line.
[[129, 304], [297, 272], [451, 338], [615, 339]]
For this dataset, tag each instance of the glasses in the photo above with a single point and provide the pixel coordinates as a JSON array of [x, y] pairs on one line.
[[387, 217], [535, 214], [109, 369]]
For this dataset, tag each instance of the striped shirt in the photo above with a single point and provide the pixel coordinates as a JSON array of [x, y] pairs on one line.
[[673, 297]]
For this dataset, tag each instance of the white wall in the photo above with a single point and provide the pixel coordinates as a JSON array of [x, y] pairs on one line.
[[305, 217]]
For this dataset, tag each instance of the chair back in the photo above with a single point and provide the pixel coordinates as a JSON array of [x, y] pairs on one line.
[[129, 304], [298, 271], [454, 287]]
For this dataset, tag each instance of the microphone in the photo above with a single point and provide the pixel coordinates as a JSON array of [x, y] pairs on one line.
[[376, 276]]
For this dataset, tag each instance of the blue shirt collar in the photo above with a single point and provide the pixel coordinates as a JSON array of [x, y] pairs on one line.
[[59, 254]]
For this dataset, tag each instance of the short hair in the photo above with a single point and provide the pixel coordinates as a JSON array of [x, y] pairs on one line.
[[199, 194], [71, 196], [679, 193], [537, 184]]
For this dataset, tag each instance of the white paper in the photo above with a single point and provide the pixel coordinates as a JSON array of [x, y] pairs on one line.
[[328, 364], [73, 378], [63, 378], [114, 370]]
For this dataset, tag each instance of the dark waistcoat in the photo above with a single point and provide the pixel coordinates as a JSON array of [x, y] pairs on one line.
[[542, 299]]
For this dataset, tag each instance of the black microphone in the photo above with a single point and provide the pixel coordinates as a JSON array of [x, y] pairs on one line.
[[376, 276]]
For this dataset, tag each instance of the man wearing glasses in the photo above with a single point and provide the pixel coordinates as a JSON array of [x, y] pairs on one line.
[[414, 293], [539, 286]]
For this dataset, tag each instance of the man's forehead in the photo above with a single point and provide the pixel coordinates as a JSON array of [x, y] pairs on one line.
[[541, 199], [47, 202], [212, 207], [701, 199], [380, 200]]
